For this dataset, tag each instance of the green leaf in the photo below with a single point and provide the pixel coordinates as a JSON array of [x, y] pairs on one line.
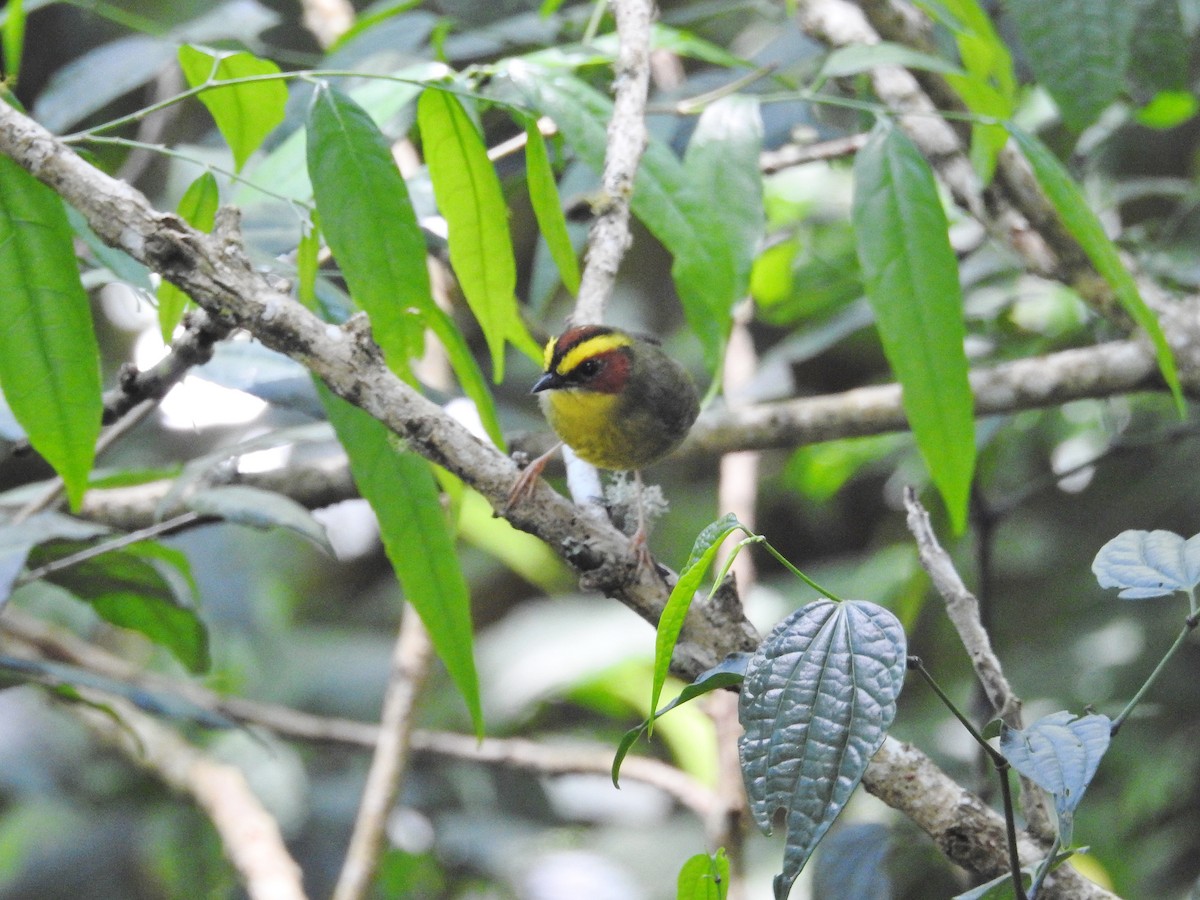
[[245, 113], [543, 195], [911, 277], [670, 621], [18, 540], [704, 877], [819, 696], [1083, 225], [1079, 50], [145, 587], [257, 508], [49, 358], [1059, 753], [401, 490], [120, 263], [14, 39], [197, 207], [1159, 47], [470, 378], [857, 58], [1146, 564], [470, 198], [369, 223], [730, 672]]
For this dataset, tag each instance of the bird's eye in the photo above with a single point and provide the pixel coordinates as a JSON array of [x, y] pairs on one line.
[[588, 368]]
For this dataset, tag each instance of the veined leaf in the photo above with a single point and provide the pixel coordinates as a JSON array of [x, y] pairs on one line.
[[543, 195], [1079, 50], [911, 277], [469, 196], [49, 358], [197, 207], [1148, 564], [245, 113], [1059, 753], [369, 223], [1083, 225], [819, 696], [401, 490]]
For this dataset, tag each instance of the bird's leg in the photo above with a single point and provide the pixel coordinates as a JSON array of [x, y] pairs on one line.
[[523, 487], [640, 548]]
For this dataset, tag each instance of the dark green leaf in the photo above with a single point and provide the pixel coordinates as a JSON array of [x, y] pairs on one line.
[[259, 509], [670, 622], [704, 877], [852, 864], [911, 277], [729, 672], [144, 587], [543, 194], [401, 490], [1059, 753], [197, 207], [1083, 225], [1160, 47], [154, 702], [819, 696], [1078, 50], [471, 200], [245, 113], [369, 223], [49, 358], [1148, 564]]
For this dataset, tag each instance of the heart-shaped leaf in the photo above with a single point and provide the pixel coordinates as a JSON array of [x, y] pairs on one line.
[[1148, 564], [1059, 754], [704, 877], [819, 695]]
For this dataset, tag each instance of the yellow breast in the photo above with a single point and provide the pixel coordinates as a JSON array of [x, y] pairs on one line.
[[588, 424]]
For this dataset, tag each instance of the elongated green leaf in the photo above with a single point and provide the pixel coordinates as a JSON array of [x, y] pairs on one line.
[[670, 622], [470, 198], [857, 58], [707, 272], [402, 492], [245, 113], [18, 540], [1059, 753], [257, 508], [1083, 225], [1078, 50], [543, 194], [911, 277], [1148, 564], [729, 672], [369, 223], [197, 207], [144, 587], [704, 877], [470, 378], [160, 704], [49, 358], [14, 39], [819, 696]]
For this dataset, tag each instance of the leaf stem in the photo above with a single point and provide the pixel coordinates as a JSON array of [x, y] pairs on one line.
[[812, 584], [997, 758], [1189, 626], [1044, 869], [1010, 830]]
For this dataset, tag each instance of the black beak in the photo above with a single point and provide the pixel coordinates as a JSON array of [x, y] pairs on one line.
[[546, 382]]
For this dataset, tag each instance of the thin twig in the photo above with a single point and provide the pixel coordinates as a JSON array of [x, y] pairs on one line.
[[410, 665]]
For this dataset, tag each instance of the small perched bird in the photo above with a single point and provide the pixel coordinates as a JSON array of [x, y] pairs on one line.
[[614, 398]]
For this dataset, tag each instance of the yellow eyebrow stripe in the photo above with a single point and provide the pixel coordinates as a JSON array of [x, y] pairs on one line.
[[593, 346]]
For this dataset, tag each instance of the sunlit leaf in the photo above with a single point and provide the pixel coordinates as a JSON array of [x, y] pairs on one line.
[[197, 207], [402, 492], [819, 696], [1059, 753], [14, 39], [1148, 564], [1078, 218], [911, 277], [547, 207], [470, 198], [704, 877], [49, 357], [245, 113]]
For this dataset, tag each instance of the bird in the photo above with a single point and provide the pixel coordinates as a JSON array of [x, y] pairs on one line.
[[617, 400]]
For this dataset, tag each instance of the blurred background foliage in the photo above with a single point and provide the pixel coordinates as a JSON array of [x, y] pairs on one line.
[[290, 625]]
